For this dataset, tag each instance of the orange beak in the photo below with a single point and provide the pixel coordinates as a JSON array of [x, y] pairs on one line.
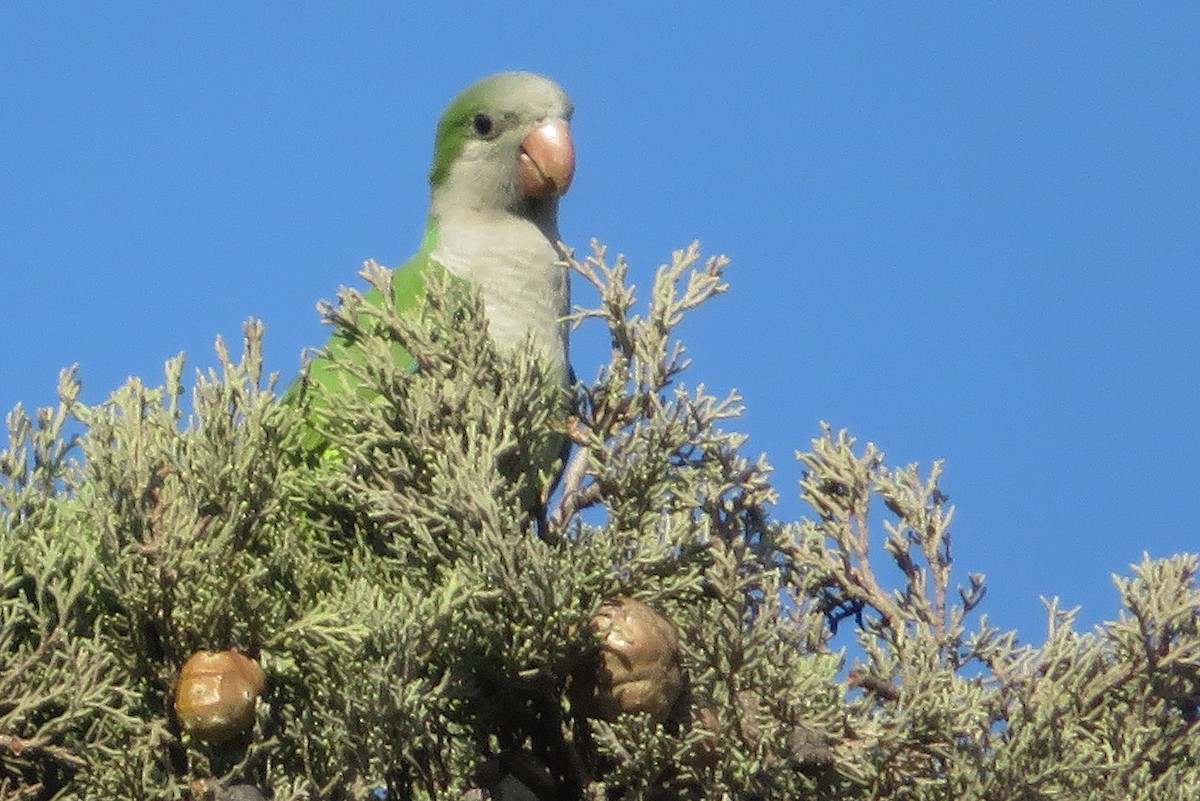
[[547, 160]]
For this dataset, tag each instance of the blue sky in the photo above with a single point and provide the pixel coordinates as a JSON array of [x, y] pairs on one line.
[[963, 232]]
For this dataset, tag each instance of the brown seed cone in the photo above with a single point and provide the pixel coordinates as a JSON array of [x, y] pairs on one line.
[[637, 667], [215, 697]]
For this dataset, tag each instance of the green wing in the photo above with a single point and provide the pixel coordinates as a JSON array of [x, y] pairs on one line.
[[328, 375]]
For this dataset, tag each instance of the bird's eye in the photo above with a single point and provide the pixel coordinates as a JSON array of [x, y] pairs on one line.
[[482, 124]]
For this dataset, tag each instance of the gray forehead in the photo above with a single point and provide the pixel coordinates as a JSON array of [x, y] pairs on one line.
[[524, 93]]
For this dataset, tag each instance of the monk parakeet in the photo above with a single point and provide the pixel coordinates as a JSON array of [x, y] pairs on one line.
[[503, 157]]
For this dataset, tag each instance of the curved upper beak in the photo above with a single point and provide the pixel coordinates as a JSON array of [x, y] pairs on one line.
[[547, 160]]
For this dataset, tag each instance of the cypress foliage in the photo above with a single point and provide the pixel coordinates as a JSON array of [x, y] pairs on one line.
[[659, 636]]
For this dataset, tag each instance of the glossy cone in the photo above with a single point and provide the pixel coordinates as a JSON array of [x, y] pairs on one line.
[[216, 694]]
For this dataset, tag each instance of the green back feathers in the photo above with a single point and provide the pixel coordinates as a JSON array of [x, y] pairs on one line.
[[327, 374], [408, 285]]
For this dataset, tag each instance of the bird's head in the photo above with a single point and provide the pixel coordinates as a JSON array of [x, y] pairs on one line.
[[504, 146]]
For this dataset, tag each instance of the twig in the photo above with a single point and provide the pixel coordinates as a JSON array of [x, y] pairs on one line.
[[20, 747], [576, 496]]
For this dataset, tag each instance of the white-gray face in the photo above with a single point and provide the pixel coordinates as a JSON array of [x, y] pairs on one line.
[[496, 139]]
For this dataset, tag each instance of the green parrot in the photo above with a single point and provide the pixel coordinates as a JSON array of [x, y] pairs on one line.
[[503, 156]]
